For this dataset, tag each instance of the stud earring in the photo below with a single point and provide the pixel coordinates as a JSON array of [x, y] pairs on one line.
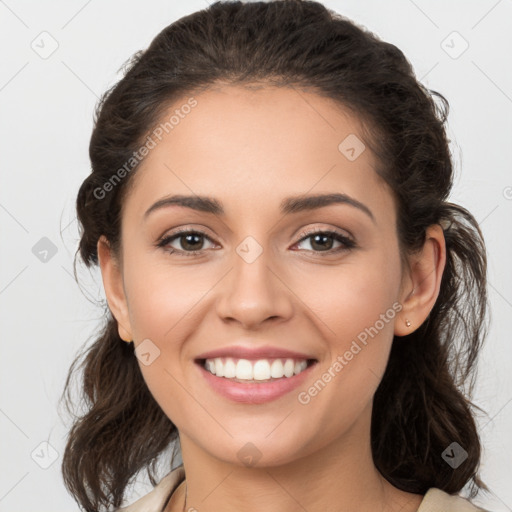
[[407, 323]]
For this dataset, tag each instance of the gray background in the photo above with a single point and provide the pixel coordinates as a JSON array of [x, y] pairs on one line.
[[47, 104]]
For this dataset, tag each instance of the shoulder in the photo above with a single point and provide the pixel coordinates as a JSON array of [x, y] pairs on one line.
[[155, 500], [436, 500]]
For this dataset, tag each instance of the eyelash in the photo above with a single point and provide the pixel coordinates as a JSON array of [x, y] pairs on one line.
[[348, 244]]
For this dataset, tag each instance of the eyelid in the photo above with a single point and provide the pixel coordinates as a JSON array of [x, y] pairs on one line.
[[311, 231]]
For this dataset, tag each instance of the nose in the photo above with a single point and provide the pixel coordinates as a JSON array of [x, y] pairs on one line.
[[253, 293]]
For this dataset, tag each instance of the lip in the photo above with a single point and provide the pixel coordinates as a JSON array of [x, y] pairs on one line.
[[254, 392], [252, 353]]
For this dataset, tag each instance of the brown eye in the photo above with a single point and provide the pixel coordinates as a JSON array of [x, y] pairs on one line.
[[322, 241], [190, 242]]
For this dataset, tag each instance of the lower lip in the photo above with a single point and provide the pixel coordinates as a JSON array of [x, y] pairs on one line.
[[254, 392]]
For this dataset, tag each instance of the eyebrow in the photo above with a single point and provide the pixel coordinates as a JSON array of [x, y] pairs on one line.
[[293, 204]]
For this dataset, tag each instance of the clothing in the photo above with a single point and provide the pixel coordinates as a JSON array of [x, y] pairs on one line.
[[435, 500], [155, 500]]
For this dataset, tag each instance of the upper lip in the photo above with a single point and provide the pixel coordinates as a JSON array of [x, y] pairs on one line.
[[241, 352]]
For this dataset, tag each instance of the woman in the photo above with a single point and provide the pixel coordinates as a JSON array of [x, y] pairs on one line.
[[290, 294]]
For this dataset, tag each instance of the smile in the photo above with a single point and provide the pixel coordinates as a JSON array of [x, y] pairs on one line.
[[261, 370], [254, 381]]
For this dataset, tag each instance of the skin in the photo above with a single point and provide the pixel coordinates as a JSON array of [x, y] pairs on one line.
[[249, 149]]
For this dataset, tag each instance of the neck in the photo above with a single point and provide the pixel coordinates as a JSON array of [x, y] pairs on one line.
[[342, 473]]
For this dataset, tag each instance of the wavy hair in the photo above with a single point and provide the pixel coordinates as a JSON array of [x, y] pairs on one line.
[[422, 404]]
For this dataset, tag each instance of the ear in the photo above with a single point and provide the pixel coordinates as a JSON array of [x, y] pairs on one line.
[[114, 288], [422, 281]]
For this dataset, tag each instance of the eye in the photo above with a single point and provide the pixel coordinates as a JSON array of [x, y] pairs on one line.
[[189, 240], [322, 239]]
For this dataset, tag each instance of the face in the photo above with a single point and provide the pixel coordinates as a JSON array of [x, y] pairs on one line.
[[323, 282]]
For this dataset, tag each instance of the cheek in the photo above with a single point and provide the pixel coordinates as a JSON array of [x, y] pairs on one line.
[[360, 316], [161, 295], [358, 307], [164, 301], [364, 306], [355, 296]]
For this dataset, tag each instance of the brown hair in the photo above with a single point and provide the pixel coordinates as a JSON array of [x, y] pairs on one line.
[[422, 404]]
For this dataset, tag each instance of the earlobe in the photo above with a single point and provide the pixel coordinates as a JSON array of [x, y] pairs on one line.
[[114, 290], [424, 282]]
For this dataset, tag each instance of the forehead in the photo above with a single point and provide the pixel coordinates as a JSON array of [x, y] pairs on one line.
[[249, 146]]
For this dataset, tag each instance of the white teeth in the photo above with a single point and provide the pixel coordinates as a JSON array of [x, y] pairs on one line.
[[210, 366], [262, 369], [288, 367], [243, 369], [277, 369], [219, 368], [229, 369]]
